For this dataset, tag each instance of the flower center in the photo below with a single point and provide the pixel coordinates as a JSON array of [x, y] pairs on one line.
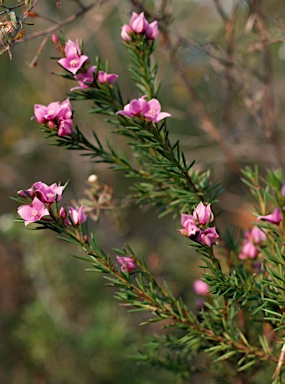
[[36, 214], [73, 63]]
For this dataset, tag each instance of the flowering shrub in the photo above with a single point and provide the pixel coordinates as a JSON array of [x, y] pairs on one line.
[[240, 324]]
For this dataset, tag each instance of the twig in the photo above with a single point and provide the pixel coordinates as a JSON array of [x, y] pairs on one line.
[[280, 362], [270, 117], [206, 122], [65, 22], [229, 68], [33, 63], [221, 11]]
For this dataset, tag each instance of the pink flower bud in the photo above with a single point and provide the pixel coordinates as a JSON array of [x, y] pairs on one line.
[[200, 287], [62, 213], [125, 32], [203, 214], [152, 31], [77, 216], [54, 38], [138, 23]]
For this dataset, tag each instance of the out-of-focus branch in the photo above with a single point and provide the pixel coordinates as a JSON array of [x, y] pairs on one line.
[[221, 11], [270, 116], [229, 63], [63, 23], [206, 123]]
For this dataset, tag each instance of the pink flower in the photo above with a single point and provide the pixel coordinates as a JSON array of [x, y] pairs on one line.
[[44, 113], [138, 23], [152, 111], [48, 193], [274, 218], [77, 216], [84, 79], [208, 236], [73, 59], [257, 235], [56, 115], [152, 31], [65, 127], [33, 212], [134, 108], [125, 32], [194, 225], [200, 287], [147, 109], [65, 110], [45, 193], [104, 77], [190, 227], [127, 263], [251, 239], [203, 213], [248, 250]]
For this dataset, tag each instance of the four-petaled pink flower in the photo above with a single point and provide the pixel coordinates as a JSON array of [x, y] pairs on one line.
[[152, 112], [127, 263], [196, 227], [274, 218], [33, 212], [73, 59], [200, 287], [149, 110]]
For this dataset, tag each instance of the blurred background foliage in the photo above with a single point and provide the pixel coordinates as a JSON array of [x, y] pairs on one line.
[[58, 323]]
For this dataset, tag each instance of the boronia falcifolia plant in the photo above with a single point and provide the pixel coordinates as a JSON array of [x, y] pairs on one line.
[[240, 323]]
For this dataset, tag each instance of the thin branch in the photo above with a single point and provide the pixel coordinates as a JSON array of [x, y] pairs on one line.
[[221, 10], [65, 22], [207, 123], [270, 116], [229, 69]]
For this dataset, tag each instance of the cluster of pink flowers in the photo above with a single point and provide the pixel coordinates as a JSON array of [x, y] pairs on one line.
[[196, 226], [75, 62], [252, 239], [55, 115], [43, 197], [86, 78], [139, 25], [255, 237], [150, 110], [127, 264]]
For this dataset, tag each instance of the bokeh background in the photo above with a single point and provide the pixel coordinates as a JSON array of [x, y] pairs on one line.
[[58, 323]]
